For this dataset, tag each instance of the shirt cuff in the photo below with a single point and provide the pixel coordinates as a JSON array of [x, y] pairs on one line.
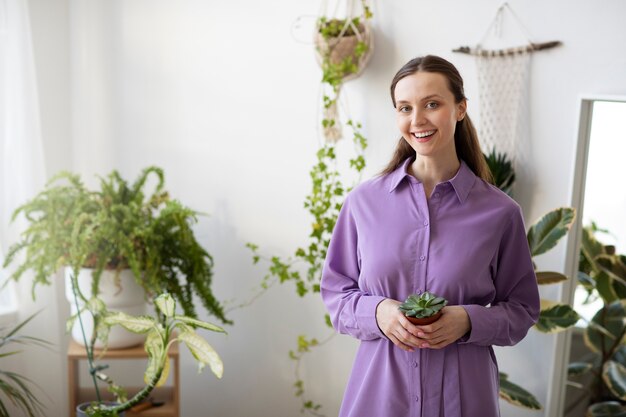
[[366, 315], [483, 326]]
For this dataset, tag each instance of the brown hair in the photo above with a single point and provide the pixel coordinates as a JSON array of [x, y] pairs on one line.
[[465, 136]]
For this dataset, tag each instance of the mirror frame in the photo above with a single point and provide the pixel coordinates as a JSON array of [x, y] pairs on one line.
[[556, 392]]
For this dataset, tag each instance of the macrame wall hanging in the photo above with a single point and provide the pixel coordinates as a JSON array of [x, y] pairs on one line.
[[504, 83]]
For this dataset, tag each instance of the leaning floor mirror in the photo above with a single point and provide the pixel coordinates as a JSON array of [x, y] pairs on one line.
[[595, 370]]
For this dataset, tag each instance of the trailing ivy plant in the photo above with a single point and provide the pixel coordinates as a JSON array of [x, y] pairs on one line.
[[115, 227], [328, 191]]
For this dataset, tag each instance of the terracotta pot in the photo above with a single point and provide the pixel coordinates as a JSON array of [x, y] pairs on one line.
[[425, 320]]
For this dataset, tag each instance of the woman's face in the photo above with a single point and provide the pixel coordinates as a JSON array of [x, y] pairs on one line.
[[427, 114]]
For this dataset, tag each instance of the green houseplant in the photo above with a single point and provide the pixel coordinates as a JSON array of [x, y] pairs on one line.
[[14, 387], [161, 333], [502, 171], [602, 273], [117, 227], [424, 308]]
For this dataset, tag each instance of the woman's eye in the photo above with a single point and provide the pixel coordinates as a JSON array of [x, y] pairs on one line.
[[432, 105], [404, 109]]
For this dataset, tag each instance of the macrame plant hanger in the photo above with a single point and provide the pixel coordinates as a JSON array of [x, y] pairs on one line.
[[503, 82], [339, 48]]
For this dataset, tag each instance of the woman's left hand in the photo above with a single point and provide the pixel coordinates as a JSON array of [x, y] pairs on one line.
[[452, 325]]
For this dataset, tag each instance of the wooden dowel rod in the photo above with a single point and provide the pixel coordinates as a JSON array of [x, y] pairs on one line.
[[509, 51]]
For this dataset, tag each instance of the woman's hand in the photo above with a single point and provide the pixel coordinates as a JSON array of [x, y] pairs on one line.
[[394, 325], [452, 325]]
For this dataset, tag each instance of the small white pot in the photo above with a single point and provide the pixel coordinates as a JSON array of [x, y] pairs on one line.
[[127, 297]]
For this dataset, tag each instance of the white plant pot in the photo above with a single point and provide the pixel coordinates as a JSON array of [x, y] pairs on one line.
[[127, 297]]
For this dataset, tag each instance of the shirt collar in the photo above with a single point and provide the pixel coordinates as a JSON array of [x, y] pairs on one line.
[[462, 182]]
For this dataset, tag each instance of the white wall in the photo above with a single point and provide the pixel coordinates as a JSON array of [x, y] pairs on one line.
[[225, 100]]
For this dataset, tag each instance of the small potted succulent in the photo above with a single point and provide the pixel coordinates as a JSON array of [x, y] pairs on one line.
[[424, 308]]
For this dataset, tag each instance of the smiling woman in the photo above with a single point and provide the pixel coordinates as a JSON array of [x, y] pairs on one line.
[[405, 232]]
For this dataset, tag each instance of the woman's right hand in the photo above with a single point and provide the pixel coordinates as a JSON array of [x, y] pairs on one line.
[[394, 325]]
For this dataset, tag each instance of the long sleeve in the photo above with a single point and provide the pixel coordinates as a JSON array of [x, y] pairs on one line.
[[352, 311], [515, 307]]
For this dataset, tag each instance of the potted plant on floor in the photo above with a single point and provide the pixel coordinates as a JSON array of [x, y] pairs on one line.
[[14, 387], [160, 334], [116, 240], [602, 273], [424, 308]]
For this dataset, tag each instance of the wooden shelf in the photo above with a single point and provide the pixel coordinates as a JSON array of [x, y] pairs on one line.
[[168, 394]]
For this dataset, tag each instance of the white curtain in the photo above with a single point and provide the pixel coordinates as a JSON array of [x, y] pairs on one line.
[[22, 172]]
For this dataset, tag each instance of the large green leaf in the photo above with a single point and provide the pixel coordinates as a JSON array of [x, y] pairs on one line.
[[578, 368], [516, 395], [613, 266], [555, 317], [620, 355], [604, 286], [200, 323], [550, 277], [614, 376], [545, 234], [586, 281], [606, 327], [166, 304], [155, 349], [202, 352], [606, 409], [141, 324]]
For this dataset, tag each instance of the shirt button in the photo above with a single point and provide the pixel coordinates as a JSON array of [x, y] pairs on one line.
[[416, 398], [414, 364], [437, 195], [422, 258], [425, 222]]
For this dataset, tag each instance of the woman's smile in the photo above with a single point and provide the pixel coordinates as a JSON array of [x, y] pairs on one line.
[[423, 136]]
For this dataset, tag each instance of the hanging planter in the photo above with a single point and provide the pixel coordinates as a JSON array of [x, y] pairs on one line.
[[343, 48]]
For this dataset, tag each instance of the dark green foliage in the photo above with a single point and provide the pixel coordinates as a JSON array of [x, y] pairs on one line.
[[602, 273], [422, 305], [502, 170], [117, 227]]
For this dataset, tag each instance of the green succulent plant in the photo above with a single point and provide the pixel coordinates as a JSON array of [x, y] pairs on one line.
[[422, 305]]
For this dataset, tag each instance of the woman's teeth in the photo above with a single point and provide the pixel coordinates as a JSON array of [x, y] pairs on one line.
[[422, 135]]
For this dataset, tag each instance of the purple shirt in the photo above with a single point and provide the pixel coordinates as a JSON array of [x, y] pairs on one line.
[[467, 244]]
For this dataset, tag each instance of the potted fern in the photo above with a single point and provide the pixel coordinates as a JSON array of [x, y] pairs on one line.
[[424, 308], [117, 240]]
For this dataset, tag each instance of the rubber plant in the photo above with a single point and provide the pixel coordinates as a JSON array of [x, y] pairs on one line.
[[14, 387], [343, 47], [602, 273], [161, 333], [542, 236], [114, 227]]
